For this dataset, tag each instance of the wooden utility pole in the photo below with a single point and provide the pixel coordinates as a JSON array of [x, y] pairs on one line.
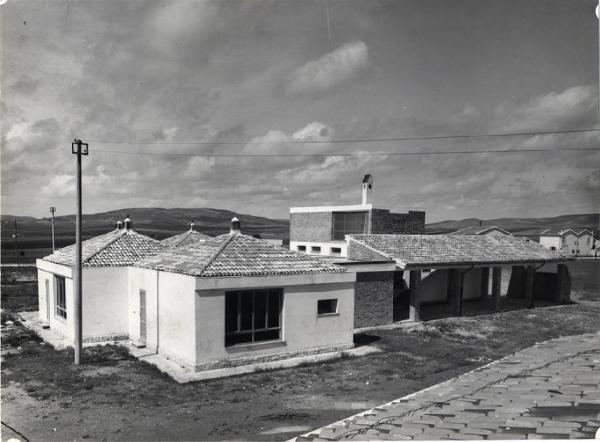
[[78, 148], [52, 210]]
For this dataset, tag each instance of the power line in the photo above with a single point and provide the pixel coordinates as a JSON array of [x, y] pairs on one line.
[[355, 140], [352, 154]]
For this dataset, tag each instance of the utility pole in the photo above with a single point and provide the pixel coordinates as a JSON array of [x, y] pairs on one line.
[[16, 237], [52, 210], [78, 148]]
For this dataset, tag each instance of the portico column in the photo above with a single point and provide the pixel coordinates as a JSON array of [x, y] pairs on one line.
[[529, 286], [496, 282], [415, 301], [485, 281]]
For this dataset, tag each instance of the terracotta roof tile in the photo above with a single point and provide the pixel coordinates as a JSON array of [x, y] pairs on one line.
[[113, 249], [432, 250], [185, 239], [236, 255]]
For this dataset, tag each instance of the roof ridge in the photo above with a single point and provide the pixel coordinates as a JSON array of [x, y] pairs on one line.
[[117, 236], [379, 252], [216, 255]]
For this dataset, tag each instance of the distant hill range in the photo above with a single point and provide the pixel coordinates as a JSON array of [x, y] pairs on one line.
[[520, 226], [35, 234]]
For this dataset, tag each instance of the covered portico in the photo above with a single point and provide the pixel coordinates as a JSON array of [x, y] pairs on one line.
[[443, 272]]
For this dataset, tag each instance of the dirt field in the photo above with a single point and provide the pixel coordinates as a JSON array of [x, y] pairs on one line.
[[115, 397]]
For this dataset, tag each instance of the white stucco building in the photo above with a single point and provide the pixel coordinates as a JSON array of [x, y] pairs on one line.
[[218, 302], [106, 260], [572, 242]]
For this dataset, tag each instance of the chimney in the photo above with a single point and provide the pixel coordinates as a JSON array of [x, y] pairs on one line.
[[127, 223], [235, 226], [367, 189], [119, 225], [192, 226]]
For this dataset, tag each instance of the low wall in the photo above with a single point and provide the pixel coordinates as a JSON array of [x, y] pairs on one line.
[[374, 299]]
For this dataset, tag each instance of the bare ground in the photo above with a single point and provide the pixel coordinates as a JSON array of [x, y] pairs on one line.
[[115, 397]]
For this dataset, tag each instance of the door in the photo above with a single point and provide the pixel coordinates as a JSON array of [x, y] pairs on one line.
[[143, 316], [47, 300]]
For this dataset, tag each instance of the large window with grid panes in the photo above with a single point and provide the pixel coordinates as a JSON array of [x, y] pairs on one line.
[[61, 297], [347, 223], [252, 316]]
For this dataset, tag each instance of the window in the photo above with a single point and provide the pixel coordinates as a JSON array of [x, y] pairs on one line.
[[326, 306], [252, 316], [346, 223], [61, 297], [302, 248], [336, 251], [552, 248], [315, 249]]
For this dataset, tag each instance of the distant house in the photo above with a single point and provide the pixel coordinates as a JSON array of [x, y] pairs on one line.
[[106, 262], [572, 242], [491, 231], [235, 299], [185, 239], [216, 302], [321, 230]]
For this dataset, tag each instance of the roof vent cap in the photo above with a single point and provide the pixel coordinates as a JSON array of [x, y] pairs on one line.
[[235, 226], [192, 226], [128, 223], [119, 225]]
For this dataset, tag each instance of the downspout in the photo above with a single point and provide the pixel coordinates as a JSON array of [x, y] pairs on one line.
[[462, 288], [157, 315]]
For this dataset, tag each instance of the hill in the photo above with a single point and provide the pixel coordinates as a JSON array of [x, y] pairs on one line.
[[520, 226], [159, 223]]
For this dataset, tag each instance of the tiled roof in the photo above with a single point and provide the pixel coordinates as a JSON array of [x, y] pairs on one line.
[[115, 248], [236, 255], [185, 239], [562, 231], [437, 250], [478, 230]]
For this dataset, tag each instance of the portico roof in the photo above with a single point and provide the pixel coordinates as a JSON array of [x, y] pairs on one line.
[[449, 250]]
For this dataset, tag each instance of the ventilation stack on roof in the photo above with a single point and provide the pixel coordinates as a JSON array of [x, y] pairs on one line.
[[119, 225], [127, 223], [235, 226], [192, 226], [367, 189]]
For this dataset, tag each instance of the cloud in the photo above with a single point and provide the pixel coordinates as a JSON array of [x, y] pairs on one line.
[[571, 108], [60, 186], [330, 70]]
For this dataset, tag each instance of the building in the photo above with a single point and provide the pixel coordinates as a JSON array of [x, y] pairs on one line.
[[234, 300], [321, 230], [185, 239], [492, 231], [455, 268], [106, 260], [572, 242], [216, 302]]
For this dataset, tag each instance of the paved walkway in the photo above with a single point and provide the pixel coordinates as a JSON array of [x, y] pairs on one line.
[[548, 391]]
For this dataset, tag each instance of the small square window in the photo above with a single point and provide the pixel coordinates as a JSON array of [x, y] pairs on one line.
[[336, 250], [327, 306], [302, 248], [315, 249]]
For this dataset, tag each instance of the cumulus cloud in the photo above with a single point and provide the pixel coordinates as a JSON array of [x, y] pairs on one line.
[[330, 70]]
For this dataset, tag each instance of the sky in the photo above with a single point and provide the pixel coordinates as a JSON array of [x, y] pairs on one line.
[[138, 79]]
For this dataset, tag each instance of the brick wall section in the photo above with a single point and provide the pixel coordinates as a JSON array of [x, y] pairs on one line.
[[359, 252], [314, 226], [382, 221], [373, 299]]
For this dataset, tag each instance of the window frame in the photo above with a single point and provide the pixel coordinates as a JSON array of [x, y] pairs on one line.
[[334, 301], [342, 226], [60, 308], [252, 331]]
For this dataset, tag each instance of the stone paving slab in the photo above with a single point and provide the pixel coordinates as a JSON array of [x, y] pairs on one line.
[[548, 391]]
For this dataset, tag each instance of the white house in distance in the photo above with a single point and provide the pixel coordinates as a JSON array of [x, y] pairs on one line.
[[492, 231], [572, 242], [218, 302], [106, 260], [234, 299]]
